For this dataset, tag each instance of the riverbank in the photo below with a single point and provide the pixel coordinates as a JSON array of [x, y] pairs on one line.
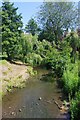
[[42, 85], [36, 100], [13, 75]]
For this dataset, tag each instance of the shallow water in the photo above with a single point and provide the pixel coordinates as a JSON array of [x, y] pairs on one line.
[[25, 103]]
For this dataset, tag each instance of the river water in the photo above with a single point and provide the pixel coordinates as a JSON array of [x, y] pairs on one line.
[[36, 100]]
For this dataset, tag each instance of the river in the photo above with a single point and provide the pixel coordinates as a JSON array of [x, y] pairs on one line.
[[36, 100]]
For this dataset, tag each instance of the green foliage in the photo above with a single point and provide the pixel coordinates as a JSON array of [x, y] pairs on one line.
[[31, 50], [31, 71], [73, 39], [28, 51], [46, 34], [3, 62], [75, 107], [55, 18], [59, 56], [43, 47], [25, 46], [32, 27], [56, 58], [33, 59], [11, 29], [71, 79]]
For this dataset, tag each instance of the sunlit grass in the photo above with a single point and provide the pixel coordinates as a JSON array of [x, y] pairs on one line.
[[3, 62]]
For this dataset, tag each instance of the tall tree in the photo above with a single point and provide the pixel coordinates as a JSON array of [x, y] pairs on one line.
[[32, 27], [57, 17], [11, 29]]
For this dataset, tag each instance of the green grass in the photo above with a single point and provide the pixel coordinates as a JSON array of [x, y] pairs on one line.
[[75, 107], [31, 71], [3, 62], [70, 79]]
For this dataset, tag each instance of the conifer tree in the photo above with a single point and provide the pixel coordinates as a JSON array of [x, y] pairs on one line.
[[11, 29]]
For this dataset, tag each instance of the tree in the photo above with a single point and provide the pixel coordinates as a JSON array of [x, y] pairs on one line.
[[32, 27], [73, 39], [56, 18], [11, 29]]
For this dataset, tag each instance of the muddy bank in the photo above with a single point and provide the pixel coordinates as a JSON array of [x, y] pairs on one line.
[[13, 75]]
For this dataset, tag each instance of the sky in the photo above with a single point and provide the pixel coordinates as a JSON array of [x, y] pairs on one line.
[[28, 10]]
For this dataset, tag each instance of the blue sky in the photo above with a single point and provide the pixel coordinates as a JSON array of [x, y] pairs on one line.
[[28, 9]]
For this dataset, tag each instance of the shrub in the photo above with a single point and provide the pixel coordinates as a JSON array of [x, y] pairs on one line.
[[75, 107], [33, 59], [31, 71], [55, 62], [26, 45], [70, 79], [43, 47], [73, 39], [57, 57]]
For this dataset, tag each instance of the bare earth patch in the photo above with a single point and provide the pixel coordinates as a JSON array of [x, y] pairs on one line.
[[13, 75]]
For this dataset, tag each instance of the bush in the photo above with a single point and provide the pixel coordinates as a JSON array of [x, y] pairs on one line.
[[26, 45], [57, 57], [70, 79], [55, 62], [31, 71], [43, 47], [75, 107], [33, 59], [73, 39]]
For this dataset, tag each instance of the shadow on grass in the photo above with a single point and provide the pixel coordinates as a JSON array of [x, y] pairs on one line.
[[3, 58]]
